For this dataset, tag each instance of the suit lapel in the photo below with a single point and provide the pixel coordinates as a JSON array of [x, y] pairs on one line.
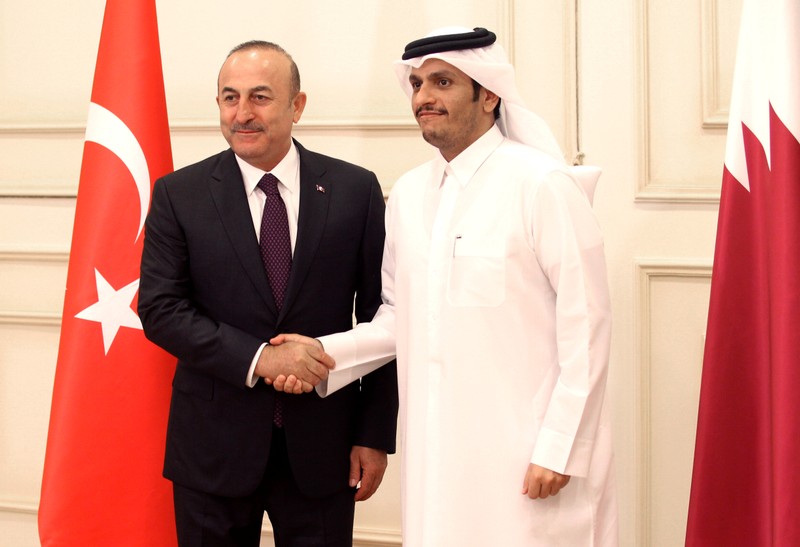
[[315, 194], [227, 191]]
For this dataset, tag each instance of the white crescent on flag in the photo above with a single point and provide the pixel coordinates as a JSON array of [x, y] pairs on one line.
[[106, 129], [112, 309]]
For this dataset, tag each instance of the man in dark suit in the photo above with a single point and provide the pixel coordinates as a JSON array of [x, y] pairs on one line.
[[210, 296]]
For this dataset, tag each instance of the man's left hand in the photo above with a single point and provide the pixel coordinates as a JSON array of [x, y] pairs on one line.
[[541, 482], [367, 466]]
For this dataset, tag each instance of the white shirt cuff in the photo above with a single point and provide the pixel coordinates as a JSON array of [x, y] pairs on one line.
[[252, 379]]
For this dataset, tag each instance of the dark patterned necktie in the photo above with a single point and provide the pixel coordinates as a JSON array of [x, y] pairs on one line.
[[276, 246], [276, 253]]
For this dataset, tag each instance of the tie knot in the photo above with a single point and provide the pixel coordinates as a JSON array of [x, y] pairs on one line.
[[269, 184]]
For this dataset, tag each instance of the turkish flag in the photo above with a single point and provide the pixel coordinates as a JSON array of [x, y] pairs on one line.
[[746, 479], [102, 481]]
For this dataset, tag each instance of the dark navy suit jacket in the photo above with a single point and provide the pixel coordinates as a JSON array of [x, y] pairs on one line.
[[204, 296]]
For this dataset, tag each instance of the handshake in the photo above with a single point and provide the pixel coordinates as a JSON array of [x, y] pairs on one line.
[[293, 363]]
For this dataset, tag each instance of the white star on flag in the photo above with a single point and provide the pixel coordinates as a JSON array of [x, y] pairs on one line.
[[112, 309]]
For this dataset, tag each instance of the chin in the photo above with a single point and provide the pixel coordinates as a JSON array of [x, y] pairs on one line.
[[431, 138], [247, 151]]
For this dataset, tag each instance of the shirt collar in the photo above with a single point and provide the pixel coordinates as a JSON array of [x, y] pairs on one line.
[[286, 171], [466, 164]]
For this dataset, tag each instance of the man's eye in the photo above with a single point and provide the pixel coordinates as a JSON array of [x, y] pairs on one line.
[[444, 82]]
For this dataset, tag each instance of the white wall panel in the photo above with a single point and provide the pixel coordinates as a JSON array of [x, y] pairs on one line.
[[673, 305], [27, 354], [344, 50], [686, 66], [47, 56], [18, 526], [719, 25]]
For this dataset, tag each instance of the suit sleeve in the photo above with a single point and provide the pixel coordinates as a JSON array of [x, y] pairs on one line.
[[379, 398], [170, 317]]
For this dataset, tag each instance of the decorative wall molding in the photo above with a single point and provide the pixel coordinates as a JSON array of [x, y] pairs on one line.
[[203, 128], [52, 191], [572, 84], [719, 23], [715, 114], [212, 125], [19, 507], [648, 271], [648, 189], [12, 129], [32, 256], [377, 538], [362, 537], [30, 319], [644, 93], [506, 15]]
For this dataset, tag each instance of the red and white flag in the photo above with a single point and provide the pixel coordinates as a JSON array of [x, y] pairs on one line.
[[746, 478], [102, 481]]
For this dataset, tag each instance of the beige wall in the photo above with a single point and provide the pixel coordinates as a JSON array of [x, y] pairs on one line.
[[651, 79]]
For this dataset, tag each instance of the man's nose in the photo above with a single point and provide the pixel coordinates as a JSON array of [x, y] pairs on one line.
[[243, 112], [423, 96]]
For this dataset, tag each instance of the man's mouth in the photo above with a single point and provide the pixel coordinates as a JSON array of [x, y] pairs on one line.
[[423, 112]]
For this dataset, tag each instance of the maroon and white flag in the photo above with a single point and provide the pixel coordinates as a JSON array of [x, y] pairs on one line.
[[102, 481], [746, 479]]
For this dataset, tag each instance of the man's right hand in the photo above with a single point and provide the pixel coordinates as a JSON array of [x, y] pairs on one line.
[[308, 363], [290, 383]]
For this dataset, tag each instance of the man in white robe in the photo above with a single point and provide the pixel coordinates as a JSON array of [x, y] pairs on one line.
[[496, 303]]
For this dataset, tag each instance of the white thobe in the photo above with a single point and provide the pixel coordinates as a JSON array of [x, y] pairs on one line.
[[495, 293]]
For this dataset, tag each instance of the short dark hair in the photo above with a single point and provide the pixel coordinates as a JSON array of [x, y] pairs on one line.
[[476, 93], [269, 46]]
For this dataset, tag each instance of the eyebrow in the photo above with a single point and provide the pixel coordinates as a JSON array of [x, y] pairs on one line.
[[434, 75], [442, 74], [228, 89]]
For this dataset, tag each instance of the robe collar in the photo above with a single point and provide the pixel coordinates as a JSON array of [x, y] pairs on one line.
[[464, 166]]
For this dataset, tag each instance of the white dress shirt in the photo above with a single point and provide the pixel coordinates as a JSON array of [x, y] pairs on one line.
[[288, 173]]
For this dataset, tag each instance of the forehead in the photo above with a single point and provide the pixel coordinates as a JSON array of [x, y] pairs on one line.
[[253, 68], [436, 68]]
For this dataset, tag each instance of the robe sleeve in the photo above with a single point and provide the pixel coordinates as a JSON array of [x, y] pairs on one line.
[[569, 247], [369, 345]]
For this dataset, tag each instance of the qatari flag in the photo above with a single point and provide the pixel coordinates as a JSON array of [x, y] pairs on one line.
[[102, 481], [746, 478]]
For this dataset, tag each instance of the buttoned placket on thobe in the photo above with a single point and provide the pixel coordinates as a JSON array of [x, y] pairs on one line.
[[441, 244]]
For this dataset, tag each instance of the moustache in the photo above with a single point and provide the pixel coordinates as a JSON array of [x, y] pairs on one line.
[[429, 108], [246, 127]]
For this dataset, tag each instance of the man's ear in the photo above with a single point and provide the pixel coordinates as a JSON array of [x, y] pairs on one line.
[[490, 100], [298, 105]]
